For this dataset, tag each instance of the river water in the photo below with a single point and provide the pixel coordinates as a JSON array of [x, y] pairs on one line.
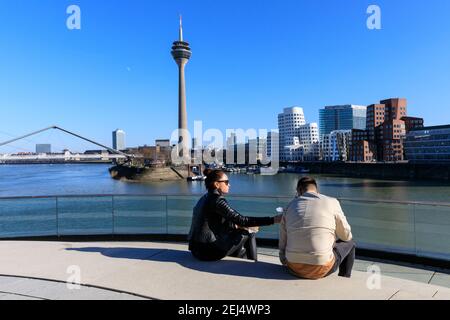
[[81, 179]]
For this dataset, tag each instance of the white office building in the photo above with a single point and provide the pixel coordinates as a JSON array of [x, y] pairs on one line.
[[289, 123], [309, 139], [118, 138]]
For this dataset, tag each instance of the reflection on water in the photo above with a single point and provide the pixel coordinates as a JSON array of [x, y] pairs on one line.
[[59, 179]]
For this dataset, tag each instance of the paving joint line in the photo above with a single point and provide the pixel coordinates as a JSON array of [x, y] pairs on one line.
[[81, 284], [22, 295], [432, 276], [390, 298]]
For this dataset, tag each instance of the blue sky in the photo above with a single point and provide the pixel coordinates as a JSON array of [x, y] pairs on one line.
[[251, 58]]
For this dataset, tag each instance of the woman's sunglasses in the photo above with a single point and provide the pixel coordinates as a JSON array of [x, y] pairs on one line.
[[227, 182]]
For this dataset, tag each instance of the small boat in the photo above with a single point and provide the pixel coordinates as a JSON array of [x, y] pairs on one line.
[[268, 171], [197, 178], [253, 170], [302, 170], [292, 169]]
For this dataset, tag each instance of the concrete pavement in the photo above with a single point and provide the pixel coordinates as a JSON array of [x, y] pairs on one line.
[[168, 271]]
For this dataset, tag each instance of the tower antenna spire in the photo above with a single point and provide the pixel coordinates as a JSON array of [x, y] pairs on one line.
[[181, 28]]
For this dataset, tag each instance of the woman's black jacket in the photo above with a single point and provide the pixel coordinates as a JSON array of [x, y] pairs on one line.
[[214, 222]]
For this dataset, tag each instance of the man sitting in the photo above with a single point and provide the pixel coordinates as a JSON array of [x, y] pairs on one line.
[[315, 237]]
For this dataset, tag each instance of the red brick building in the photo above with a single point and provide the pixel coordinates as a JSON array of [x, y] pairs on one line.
[[386, 126], [359, 146]]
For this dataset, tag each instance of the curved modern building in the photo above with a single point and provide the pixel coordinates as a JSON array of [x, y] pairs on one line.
[[298, 139]]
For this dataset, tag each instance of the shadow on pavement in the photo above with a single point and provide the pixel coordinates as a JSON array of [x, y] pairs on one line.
[[244, 268]]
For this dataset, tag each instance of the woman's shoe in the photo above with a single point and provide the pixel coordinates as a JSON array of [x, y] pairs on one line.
[[242, 253]]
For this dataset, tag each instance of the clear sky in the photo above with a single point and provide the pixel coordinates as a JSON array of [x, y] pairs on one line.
[[251, 58]]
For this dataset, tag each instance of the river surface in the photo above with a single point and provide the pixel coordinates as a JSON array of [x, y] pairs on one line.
[[81, 179]]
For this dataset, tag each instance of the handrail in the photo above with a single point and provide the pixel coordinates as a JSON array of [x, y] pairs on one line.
[[425, 203]]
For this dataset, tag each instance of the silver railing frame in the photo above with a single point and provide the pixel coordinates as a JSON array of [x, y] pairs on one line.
[[429, 203]]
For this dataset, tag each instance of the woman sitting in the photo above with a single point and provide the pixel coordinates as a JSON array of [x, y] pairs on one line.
[[218, 230]]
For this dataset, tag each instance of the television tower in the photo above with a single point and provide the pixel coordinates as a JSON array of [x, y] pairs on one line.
[[181, 54]]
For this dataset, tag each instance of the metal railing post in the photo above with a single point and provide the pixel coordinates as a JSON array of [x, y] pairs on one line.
[[57, 216], [167, 216], [415, 229], [112, 215]]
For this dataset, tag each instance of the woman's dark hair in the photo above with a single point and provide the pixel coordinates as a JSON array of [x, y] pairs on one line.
[[211, 177], [304, 183]]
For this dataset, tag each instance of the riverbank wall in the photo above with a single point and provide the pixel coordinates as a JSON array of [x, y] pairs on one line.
[[407, 171]]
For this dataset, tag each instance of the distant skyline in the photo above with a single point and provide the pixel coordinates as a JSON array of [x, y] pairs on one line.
[[250, 59]]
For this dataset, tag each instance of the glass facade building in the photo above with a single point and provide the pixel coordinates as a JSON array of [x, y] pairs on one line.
[[428, 144], [118, 139], [345, 117], [43, 148]]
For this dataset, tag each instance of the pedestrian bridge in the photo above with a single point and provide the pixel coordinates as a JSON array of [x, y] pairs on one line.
[[66, 156]]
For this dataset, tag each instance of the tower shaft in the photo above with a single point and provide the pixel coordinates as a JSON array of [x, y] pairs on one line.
[[182, 111]]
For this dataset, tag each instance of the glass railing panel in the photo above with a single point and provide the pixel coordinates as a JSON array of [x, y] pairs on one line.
[[140, 215], [421, 229], [381, 225], [259, 207], [179, 213], [433, 231], [85, 215], [25, 217]]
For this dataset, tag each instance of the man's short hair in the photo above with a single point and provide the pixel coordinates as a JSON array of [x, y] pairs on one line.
[[305, 182]]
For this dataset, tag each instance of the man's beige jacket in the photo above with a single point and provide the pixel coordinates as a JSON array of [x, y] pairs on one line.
[[309, 228]]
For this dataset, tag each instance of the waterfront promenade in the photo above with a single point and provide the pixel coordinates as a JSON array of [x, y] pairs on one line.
[[161, 270], [143, 268]]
